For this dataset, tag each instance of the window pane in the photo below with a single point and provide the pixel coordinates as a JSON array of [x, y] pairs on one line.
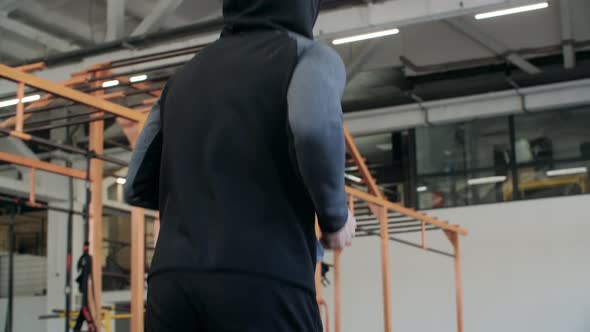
[[460, 190], [554, 135], [553, 153], [454, 148]]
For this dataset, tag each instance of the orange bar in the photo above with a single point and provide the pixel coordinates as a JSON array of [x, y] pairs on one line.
[[424, 235], [32, 186], [403, 210], [338, 279], [71, 94], [454, 238], [385, 268], [137, 268], [20, 107], [96, 145], [337, 291], [150, 101], [360, 162], [41, 165], [21, 135], [326, 310], [31, 67]]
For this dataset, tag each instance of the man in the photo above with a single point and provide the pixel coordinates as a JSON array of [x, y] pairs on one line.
[[245, 145]]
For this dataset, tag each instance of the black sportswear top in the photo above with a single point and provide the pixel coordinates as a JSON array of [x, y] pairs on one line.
[[244, 146]]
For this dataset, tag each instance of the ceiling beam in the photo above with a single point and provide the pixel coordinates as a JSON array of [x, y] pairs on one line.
[[360, 60], [34, 34], [569, 54], [493, 46], [153, 21], [380, 15], [115, 20], [8, 6], [57, 22], [15, 49]]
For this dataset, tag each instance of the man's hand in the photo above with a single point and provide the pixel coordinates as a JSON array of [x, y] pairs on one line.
[[341, 238]]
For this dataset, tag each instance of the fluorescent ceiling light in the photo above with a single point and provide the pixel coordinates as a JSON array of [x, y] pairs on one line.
[[488, 180], [365, 36], [422, 189], [512, 11], [7, 103], [110, 84], [353, 178], [12, 102], [29, 99], [121, 180], [567, 171], [138, 78], [385, 147]]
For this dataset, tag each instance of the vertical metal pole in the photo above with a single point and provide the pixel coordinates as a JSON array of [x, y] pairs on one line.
[[458, 282], [454, 239], [96, 145], [138, 257], [337, 292], [69, 232], [137, 268], [423, 235], [338, 279], [20, 108], [381, 213], [11, 245]]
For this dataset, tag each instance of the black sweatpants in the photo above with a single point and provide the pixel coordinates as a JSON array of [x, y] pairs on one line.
[[222, 302]]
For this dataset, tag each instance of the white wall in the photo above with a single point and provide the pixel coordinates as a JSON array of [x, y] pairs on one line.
[[525, 268], [26, 314]]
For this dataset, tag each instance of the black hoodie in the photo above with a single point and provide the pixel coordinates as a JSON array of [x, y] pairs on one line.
[[245, 146], [297, 16]]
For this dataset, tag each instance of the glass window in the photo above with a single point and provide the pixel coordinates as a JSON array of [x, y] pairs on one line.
[[464, 189], [462, 164], [448, 149], [553, 153]]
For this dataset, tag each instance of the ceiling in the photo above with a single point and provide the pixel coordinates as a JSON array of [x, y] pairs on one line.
[[429, 60]]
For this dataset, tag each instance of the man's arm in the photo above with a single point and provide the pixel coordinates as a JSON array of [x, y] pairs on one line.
[[315, 123], [142, 185]]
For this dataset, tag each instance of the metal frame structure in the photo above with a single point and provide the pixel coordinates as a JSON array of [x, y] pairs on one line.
[[94, 173], [85, 88]]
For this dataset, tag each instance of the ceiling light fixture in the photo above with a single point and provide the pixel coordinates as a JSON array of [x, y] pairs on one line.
[[365, 36], [110, 84], [487, 180], [12, 102], [121, 180], [422, 189], [567, 171], [514, 10], [353, 178], [138, 78]]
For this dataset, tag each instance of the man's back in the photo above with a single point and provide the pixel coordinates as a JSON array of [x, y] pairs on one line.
[[230, 195], [243, 147]]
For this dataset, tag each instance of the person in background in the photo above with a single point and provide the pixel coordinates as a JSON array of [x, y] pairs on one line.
[[244, 147]]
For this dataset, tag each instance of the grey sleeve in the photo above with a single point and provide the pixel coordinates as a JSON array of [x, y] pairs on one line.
[[317, 138], [142, 185]]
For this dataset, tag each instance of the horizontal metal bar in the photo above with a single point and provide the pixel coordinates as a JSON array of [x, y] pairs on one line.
[[67, 148], [68, 93], [42, 206], [418, 246], [85, 120]]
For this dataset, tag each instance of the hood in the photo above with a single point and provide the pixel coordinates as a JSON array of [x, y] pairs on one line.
[[298, 16]]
